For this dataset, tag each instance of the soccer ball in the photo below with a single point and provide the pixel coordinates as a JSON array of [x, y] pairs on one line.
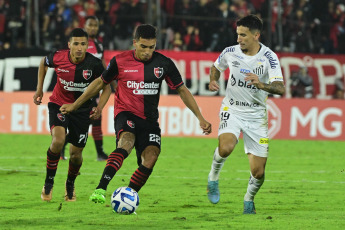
[[125, 200]]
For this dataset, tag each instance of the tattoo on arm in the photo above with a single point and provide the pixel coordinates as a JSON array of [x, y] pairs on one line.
[[276, 87], [215, 74]]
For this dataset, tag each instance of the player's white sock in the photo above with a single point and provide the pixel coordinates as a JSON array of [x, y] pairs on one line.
[[217, 165], [253, 187]]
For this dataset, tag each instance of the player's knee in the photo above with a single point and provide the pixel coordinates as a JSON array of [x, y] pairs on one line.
[[225, 149], [58, 142], [150, 157], [258, 174]]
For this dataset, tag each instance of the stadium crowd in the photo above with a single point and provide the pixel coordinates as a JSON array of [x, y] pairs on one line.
[[195, 25]]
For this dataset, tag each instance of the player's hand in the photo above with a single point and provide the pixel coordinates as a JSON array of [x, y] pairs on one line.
[[95, 113], [206, 127], [213, 86], [67, 108], [38, 97], [253, 79]]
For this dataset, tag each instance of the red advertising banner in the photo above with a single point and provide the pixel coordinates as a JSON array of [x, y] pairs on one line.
[[288, 118]]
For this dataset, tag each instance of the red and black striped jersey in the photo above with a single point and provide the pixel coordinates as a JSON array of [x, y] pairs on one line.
[[139, 82], [72, 79], [95, 48]]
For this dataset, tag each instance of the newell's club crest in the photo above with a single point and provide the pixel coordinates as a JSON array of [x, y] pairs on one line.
[[130, 124], [87, 74], [61, 117], [158, 71]]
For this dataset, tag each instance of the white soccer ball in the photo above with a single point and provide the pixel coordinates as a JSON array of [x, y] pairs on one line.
[[125, 200]]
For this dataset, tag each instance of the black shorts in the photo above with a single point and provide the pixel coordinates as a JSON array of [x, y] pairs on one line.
[[76, 123], [146, 133]]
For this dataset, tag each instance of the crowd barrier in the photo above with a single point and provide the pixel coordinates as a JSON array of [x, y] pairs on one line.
[[308, 119]]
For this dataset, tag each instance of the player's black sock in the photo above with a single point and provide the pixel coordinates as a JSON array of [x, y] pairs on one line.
[[73, 171], [97, 135], [99, 147], [114, 163], [139, 178], [52, 164]]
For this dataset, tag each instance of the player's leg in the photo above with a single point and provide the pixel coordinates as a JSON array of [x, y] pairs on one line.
[[53, 157], [228, 133], [75, 162], [62, 153], [58, 125], [125, 132], [114, 163], [257, 178], [227, 143], [149, 158], [78, 134], [148, 145], [97, 135], [256, 146]]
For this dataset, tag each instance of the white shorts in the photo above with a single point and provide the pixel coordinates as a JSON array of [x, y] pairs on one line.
[[255, 131]]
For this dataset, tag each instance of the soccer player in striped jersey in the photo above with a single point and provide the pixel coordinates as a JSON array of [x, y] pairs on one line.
[[75, 69], [140, 74], [254, 72], [95, 48]]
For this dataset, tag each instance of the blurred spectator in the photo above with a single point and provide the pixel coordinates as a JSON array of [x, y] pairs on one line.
[[80, 12], [302, 84], [3, 15], [207, 24], [177, 42], [124, 14], [192, 39], [339, 89], [15, 23], [56, 21], [223, 34]]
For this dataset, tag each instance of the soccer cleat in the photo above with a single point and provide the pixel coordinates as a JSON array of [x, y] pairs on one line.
[[213, 191], [62, 156], [47, 192], [98, 196], [249, 207], [70, 193], [102, 157]]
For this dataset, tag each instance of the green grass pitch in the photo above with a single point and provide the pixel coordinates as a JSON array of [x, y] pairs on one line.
[[304, 188]]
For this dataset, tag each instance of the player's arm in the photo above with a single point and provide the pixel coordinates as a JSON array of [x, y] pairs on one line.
[[276, 87], [190, 102], [90, 91], [97, 111], [42, 70], [214, 77]]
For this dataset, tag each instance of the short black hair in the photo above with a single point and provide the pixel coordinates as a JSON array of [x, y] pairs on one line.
[[78, 32], [145, 31], [252, 22], [91, 17]]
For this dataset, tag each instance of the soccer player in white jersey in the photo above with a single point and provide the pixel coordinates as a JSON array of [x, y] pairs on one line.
[[254, 72]]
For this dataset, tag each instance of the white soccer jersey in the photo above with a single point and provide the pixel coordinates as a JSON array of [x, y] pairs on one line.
[[241, 98]]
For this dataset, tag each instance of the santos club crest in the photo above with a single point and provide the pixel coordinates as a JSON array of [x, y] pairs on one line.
[[158, 71], [87, 74]]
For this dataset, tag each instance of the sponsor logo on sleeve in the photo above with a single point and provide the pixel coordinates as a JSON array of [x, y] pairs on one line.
[[273, 62]]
